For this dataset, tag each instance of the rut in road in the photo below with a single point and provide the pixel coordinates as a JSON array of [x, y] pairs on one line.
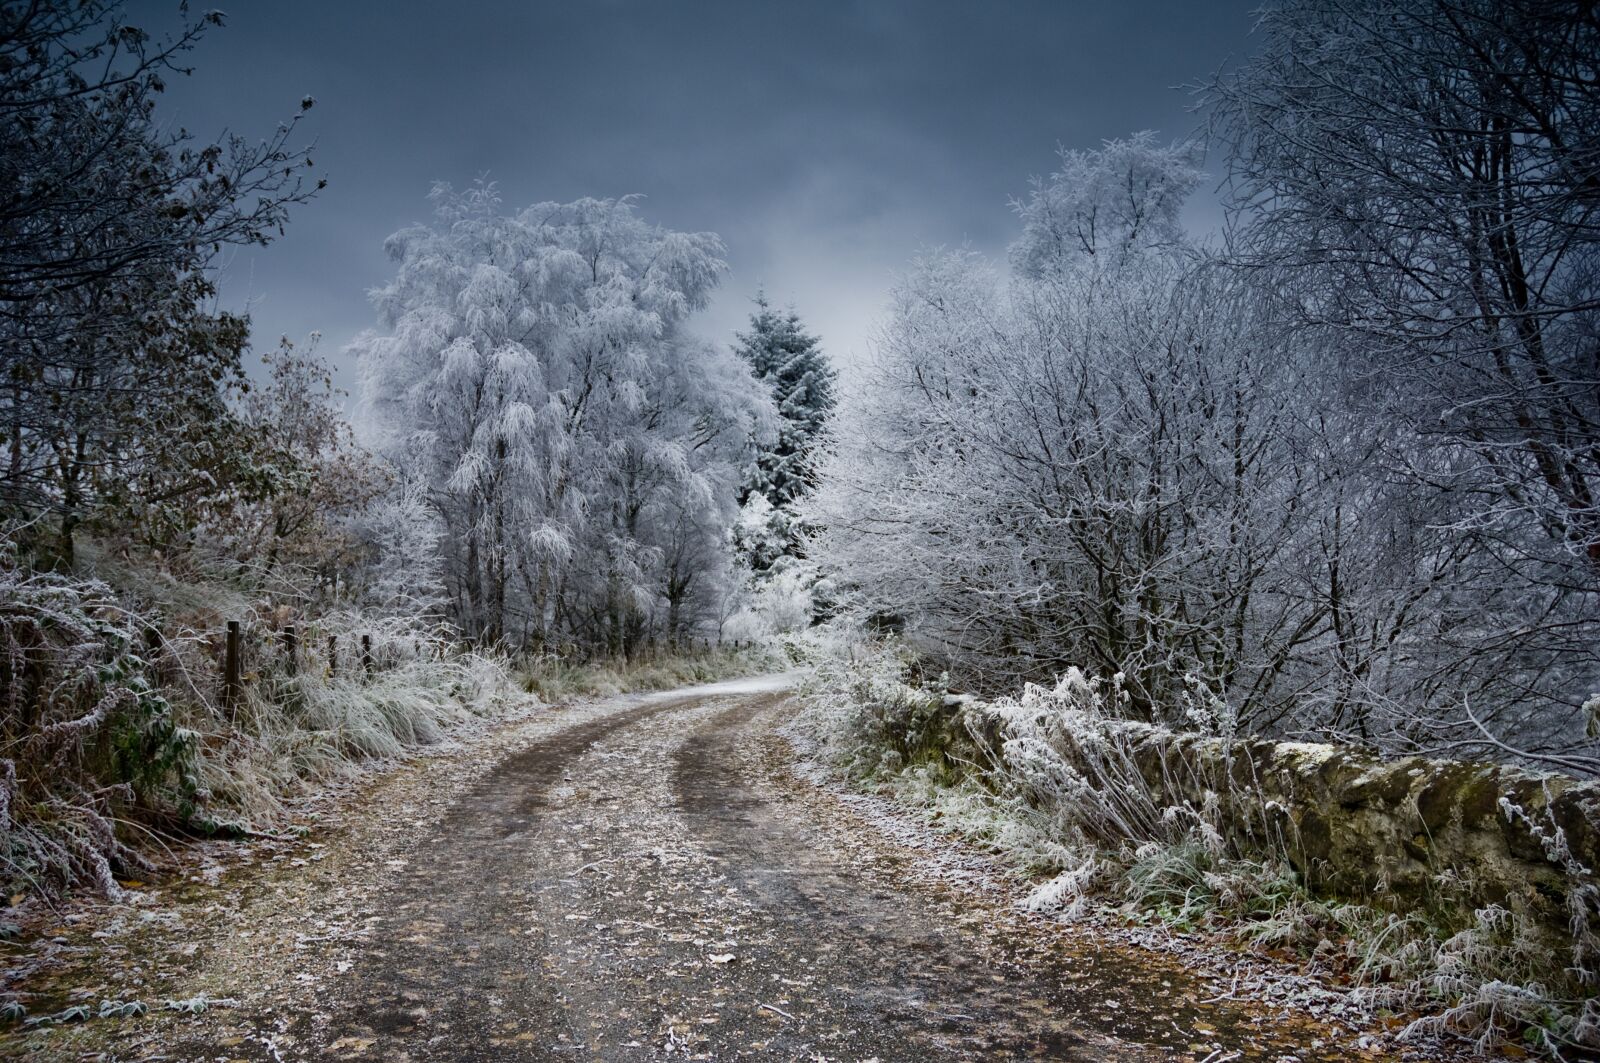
[[645, 885]]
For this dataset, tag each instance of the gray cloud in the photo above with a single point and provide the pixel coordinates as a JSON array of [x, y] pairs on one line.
[[827, 141]]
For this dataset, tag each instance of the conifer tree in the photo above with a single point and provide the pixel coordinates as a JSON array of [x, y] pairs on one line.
[[789, 361]]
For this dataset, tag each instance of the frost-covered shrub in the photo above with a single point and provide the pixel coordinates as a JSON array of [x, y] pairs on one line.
[[111, 710], [84, 730], [1067, 748], [782, 601], [312, 722], [1053, 771], [864, 710]]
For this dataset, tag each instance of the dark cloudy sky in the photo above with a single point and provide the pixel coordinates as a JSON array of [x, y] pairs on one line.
[[827, 142]]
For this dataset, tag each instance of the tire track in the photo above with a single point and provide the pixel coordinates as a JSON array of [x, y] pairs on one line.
[[650, 884]]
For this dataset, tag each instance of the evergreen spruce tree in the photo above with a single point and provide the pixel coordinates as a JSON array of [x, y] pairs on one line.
[[789, 361]]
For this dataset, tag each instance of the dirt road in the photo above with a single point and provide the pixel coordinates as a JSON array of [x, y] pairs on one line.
[[650, 882]]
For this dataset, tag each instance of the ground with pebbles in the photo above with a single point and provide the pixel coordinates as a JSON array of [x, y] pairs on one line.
[[640, 878]]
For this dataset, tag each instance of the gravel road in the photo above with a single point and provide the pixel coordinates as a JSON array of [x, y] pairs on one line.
[[650, 880]]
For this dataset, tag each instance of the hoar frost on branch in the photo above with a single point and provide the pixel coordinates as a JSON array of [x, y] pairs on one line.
[[1127, 456], [579, 450], [782, 584]]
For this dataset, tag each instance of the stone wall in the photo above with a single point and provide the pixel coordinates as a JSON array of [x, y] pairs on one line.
[[1398, 834]]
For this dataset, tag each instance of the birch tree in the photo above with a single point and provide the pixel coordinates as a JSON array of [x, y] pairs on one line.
[[572, 436]]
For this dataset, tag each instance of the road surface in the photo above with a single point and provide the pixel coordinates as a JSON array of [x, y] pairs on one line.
[[651, 882]]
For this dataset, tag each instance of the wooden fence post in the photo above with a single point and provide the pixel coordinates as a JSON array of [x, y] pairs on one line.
[[230, 667], [152, 642]]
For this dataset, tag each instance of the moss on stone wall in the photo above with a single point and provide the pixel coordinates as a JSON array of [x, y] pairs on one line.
[[1444, 836]]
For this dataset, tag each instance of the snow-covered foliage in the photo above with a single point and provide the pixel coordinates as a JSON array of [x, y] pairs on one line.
[[579, 451], [1122, 455], [789, 362], [83, 729], [112, 710], [780, 602], [404, 575]]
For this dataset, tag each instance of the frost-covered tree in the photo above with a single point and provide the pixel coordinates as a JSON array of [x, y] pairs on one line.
[[404, 572], [1114, 203], [1084, 466], [580, 452], [1088, 474], [1418, 179], [1425, 173], [1129, 457], [789, 361], [315, 480], [115, 367]]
